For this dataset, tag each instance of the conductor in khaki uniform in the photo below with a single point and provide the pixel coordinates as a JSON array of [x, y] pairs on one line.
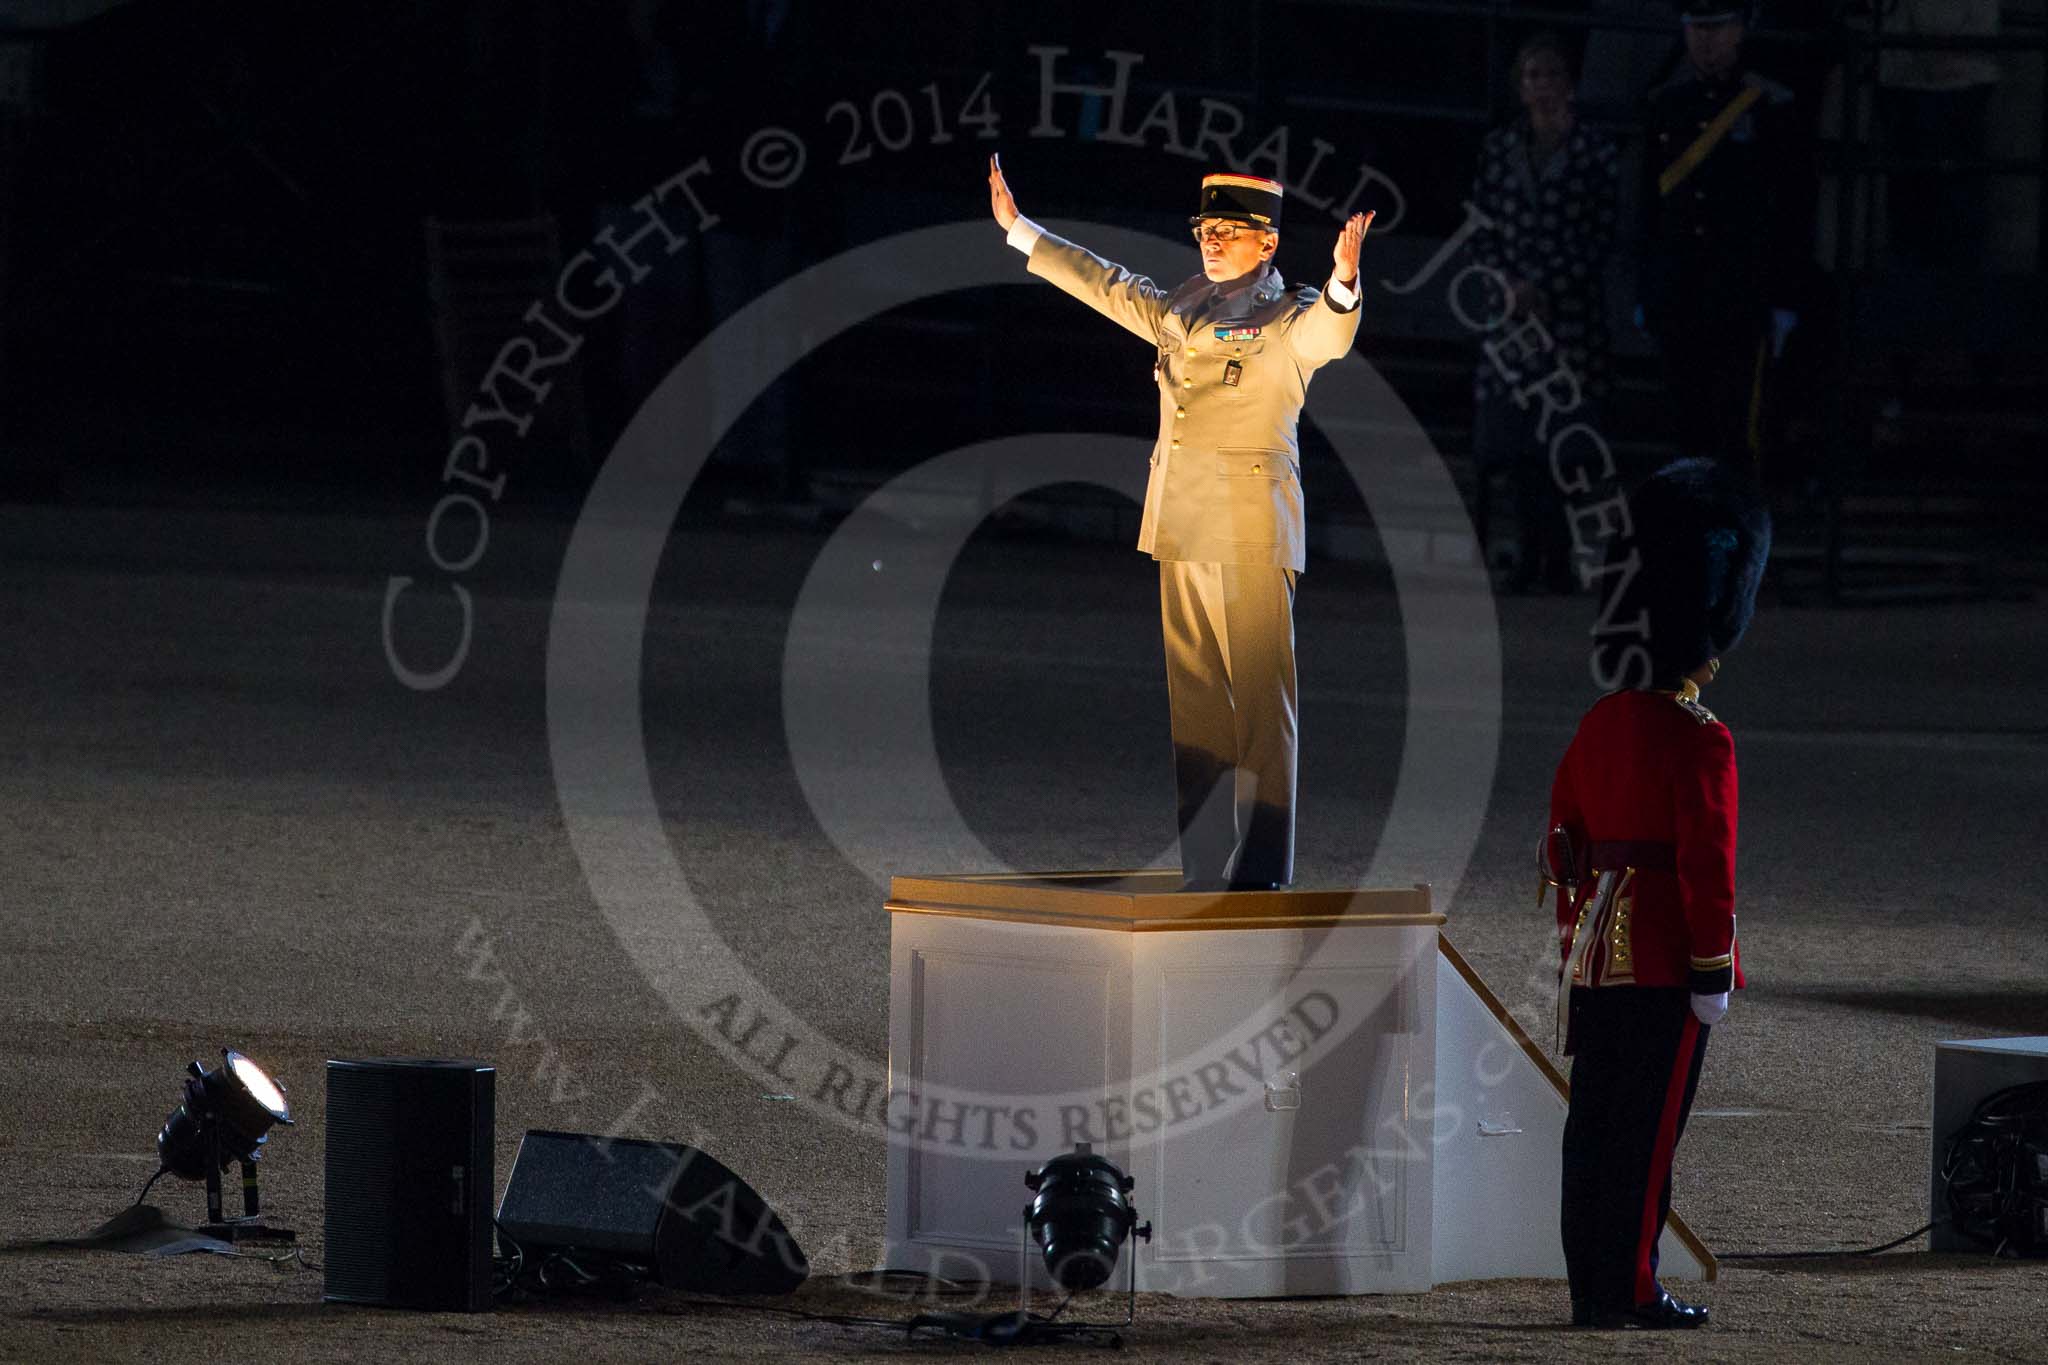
[[1236, 349]]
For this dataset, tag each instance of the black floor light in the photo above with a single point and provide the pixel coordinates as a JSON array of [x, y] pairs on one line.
[[226, 1116], [1080, 1218]]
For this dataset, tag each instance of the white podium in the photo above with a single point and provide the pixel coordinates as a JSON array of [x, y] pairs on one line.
[[1258, 1062], [1312, 1091]]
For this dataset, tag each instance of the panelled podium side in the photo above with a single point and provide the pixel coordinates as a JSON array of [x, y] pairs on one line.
[[1267, 1066], [1173, 1032]]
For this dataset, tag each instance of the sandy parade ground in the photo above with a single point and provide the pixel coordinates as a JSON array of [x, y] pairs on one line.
[[225, 823]]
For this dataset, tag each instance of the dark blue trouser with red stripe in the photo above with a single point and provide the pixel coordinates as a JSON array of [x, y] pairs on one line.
[[1635, 1064]]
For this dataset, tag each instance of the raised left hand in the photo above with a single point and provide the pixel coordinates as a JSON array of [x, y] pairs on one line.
[[1345, 254], [1000, 201]]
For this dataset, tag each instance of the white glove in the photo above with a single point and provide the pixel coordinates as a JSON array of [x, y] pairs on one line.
[[1708, 1009]]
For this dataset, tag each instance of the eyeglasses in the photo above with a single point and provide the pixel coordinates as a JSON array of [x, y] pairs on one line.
[[1222, 232]]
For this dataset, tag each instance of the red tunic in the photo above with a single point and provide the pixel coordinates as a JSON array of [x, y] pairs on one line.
[[1647, 794]]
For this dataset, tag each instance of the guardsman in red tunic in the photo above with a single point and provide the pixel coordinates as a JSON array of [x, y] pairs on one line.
[[1642, 850]]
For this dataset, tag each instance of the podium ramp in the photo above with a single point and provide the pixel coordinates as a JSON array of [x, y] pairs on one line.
[[1498, 1133]]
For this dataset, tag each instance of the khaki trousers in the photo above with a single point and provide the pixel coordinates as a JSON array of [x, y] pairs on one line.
[[1229, 634]]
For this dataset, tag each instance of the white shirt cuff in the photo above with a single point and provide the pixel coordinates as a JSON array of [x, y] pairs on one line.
[[1341, 294], [1024, 234]]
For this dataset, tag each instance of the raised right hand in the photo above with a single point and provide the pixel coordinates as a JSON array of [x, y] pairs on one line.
[[1000, 200]]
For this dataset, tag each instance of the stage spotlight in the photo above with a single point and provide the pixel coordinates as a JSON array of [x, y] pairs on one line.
[[226, 1116], [1080, 1216]]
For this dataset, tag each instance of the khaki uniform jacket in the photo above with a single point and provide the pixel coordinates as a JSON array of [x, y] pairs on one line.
[[1233, 370]]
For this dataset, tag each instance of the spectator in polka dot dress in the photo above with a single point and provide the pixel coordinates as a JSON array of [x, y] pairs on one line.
[[1546, 187]]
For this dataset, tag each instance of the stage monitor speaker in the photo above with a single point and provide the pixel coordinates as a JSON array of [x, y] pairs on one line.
[[409, 1180], [668, 1209]]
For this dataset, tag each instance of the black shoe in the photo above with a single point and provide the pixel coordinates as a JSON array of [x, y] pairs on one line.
[[1661, 1314]]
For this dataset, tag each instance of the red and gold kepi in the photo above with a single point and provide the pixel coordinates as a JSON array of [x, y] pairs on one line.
[[1249, 199]]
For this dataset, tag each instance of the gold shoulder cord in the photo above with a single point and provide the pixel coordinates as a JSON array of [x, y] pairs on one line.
[[1689, 160]]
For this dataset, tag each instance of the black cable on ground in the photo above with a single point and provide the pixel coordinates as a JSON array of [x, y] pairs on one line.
[[506, 1270], [938, 1285], [569, 1271], [1843, 1251], [1015, 1327], [777, 1310], [295, 1259], [147, 1183]]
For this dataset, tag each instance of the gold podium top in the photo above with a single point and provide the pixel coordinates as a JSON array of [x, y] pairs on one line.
[[1144, 902]]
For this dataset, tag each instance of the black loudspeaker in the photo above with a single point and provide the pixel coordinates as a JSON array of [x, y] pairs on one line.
[[409, 1181], [669, 1210]]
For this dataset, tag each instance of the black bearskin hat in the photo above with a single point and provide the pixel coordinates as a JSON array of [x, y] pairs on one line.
[[1702, 534]]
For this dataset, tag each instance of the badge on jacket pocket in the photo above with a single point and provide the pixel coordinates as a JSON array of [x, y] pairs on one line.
[[1233, 372]]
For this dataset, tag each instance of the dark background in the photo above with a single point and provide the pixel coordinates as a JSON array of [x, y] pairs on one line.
[[217, 285]]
